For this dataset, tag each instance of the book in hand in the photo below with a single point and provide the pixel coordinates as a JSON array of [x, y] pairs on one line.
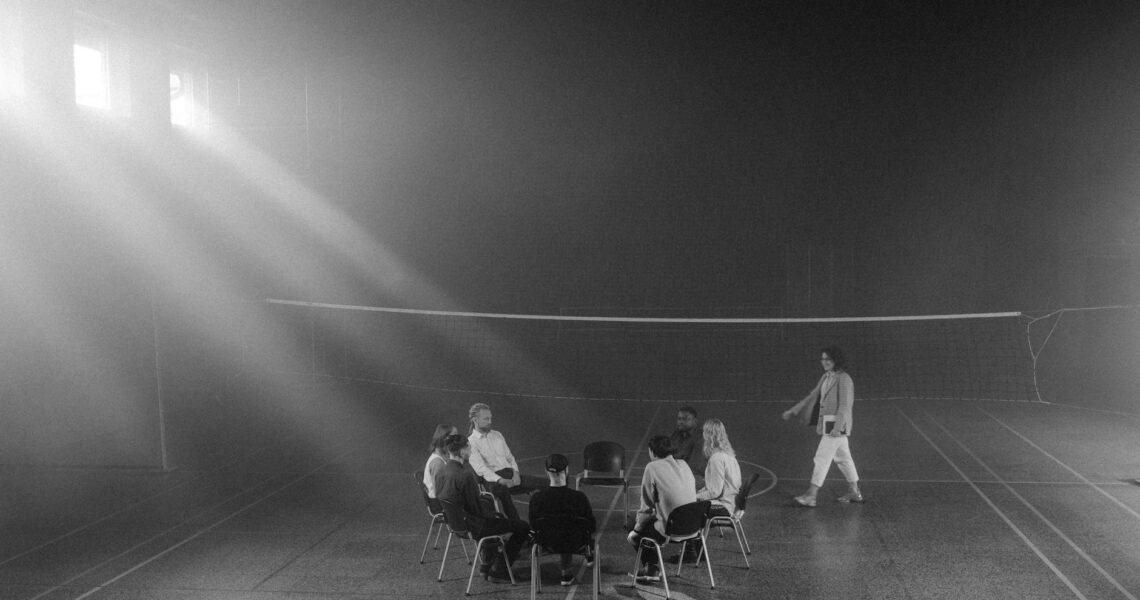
[[828, 423]]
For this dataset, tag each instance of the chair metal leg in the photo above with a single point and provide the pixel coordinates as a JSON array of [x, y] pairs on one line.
[[736, 528], [438, 532], [636, 561], [661, 568], [708, 561], [443, 562], [597, 570], [534, 571], [478, 559], [681, 560], [625, 495], [428, 538], [740, 527]]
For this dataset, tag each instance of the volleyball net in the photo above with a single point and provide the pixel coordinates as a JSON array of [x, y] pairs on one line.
[[643, 358]]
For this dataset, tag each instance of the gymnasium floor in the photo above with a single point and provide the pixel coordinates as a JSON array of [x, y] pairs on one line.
[[964, 500]]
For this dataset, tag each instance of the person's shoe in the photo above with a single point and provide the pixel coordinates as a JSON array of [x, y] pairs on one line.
[[805, 500], [851, 497], [567, 578], [649, 574], [500, 573]]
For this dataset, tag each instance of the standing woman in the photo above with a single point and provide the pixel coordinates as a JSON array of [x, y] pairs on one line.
[[828, 409]]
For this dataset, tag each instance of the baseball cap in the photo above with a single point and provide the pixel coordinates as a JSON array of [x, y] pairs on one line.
[[556, 463]]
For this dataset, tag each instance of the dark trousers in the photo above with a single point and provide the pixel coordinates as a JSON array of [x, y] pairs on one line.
[[527, 484], [518, 529], [647, 530]]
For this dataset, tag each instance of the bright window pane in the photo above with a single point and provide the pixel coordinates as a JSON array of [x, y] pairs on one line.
[[181, 105], [91, 77]]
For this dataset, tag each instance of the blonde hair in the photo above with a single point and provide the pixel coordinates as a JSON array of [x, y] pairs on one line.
[[716, 438], [474, 412]]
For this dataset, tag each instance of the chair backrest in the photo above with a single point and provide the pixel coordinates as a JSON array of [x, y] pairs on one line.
[[433, 505], [562, 534], [742, 494], [454, 516], [687, 520], [604, 457]]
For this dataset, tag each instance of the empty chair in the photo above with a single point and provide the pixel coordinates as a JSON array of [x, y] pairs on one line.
[[686, 523], [435, 511], [562, 534], [457, 527], [604, 465], [733, 520]]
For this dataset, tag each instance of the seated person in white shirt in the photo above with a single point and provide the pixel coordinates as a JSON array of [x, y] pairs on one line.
[[436, 460], [722, 480], [672, 480], [493, 461]]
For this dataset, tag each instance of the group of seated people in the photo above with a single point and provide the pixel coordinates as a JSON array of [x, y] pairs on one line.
[[462, 470]]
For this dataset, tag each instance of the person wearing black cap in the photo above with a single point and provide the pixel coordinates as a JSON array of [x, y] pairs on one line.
[[562, 501]]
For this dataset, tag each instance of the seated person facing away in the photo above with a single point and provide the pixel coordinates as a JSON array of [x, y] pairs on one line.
[[493, 461], [687, 444], [666, 484], [562, 501], [457, 484]]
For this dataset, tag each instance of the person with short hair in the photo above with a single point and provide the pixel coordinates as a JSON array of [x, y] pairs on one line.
[[456, 484], [666, 484], [562, 501], [827, 408], [493, 462], [687, 444]]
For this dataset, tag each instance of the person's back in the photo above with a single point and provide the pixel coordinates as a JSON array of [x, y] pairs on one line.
[[561, 501], [671, 483], [456, 483], [666, 484]]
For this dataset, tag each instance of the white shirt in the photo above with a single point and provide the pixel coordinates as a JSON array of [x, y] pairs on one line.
[[489, 453], [434, 463], [666, 484], [722, 480]]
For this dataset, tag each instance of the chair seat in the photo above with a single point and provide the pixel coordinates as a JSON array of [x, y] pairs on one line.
[[603, 480]]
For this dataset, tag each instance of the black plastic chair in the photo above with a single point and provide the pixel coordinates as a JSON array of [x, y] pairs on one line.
[[604, 465], [733, 520], [457, 527], [435, 511], [686, 523], [562, 534]]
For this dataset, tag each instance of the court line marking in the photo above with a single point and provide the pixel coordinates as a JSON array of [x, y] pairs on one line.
[[1080, 551], [158, 535], [132, 506], [958, 481], [198, 534], [1094, 486], [1025, 539], [109, 582]]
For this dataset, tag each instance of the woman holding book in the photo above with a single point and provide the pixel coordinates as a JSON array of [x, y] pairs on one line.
[[828, 408]]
